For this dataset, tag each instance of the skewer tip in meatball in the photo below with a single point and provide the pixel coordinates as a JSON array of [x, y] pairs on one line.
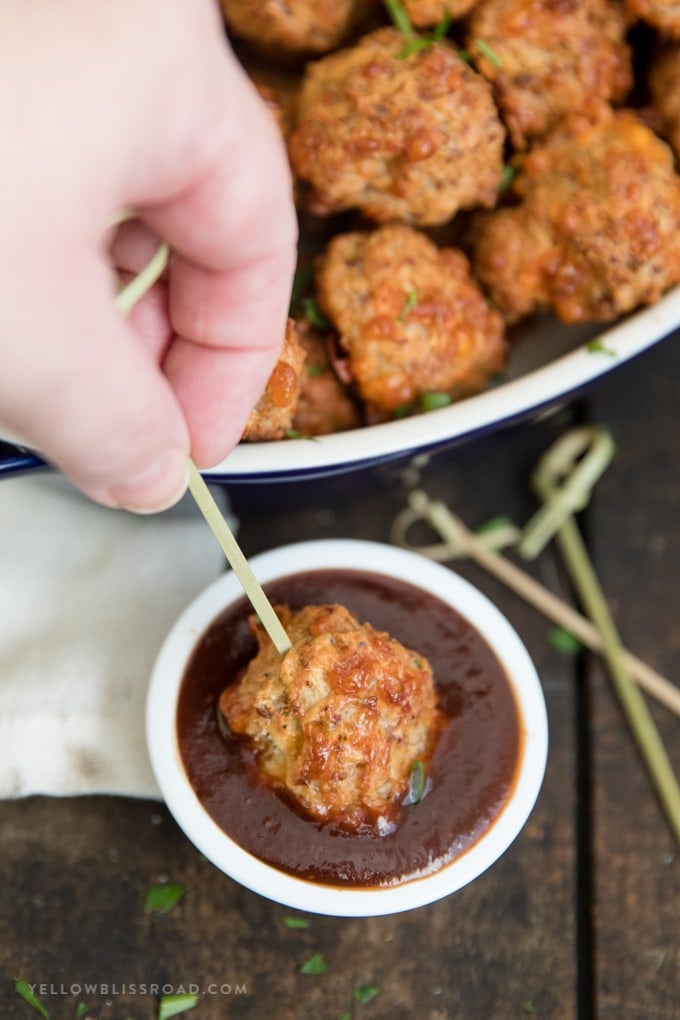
[[597, 230], [412, 138], [549, 58], [273, 414], [664, 86], [409, 316], [340, 719]]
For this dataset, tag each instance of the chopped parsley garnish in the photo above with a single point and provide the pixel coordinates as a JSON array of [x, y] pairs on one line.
[[409, 304], [416, 784], [163, 897], [507, 177], [23, 989], [314, 965], [173, 1005], [598, 347], [313, 371], [495, 524], [82, 1009], [489, 53], [414, 41], [364, 993], [564, 641], [433, 401], [295, 434], [314, 314], [295, 922]]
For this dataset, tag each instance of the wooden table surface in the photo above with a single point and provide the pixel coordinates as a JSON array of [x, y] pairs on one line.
[[580, 917]]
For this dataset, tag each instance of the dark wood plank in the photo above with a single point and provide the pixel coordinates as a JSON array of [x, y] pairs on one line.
[[634, 533], [74, 873]]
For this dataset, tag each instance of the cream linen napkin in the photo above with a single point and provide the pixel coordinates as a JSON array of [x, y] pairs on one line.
[[87, 596]]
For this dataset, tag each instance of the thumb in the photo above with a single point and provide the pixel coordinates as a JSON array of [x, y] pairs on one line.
[[93, 400]]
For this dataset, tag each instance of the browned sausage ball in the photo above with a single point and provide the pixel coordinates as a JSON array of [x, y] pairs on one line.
[[426, 13], [410, 317], [664, 15], [340, 719], [664, 85], [325, 404], [597, 232], [549, 58], [293, 26], [273, 415], [413, 139]]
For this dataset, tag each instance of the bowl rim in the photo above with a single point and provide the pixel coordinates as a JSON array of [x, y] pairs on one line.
[[510, 400], [302, 894]]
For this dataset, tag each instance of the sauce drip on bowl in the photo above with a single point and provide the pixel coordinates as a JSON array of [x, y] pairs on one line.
[[469, 776]]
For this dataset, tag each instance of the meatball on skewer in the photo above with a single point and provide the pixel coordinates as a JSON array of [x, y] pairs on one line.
[[597, 230], [339, 721], [273, 414], [409, 316], [400, 137]]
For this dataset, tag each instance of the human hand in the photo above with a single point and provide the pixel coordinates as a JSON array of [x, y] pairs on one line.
[[135, 105]]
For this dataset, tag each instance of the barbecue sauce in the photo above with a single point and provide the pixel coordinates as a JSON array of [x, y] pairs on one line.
[[469, 777]]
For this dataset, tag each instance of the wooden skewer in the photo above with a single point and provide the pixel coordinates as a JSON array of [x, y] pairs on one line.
[[231, 549], [458, 537]]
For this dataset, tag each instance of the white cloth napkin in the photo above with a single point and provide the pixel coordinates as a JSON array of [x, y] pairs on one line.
[[87, 596]]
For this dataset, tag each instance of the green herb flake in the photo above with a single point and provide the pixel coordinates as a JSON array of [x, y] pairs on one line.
[[23, 989], [496, 523], [314, 965], [464, 55], [409, 304], [404, 410], [163, 897], [564, 641], [507, 177], [529, 1007], [295, 434], [416, 783], [434, 401], [598, 347], [82, 1009], [414, 45], [364, 993], [442, 28], [301, 281], [314, 314], [313, 371], [487, 52], [295, 922], [400, 18], [173, 1005], [345, 1016]]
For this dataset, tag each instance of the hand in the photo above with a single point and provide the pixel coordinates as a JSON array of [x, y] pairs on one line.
[[135, 104]]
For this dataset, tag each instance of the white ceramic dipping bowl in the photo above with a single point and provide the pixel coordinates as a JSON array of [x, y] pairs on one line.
[[311, 896]]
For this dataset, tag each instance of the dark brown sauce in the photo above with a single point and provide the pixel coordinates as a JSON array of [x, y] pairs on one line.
[[469, 777]]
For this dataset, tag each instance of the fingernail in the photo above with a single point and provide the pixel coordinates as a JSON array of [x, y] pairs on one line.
[[156, 487]]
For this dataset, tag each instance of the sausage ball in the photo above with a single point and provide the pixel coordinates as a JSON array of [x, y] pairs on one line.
[[325, 404], [664, 15], [549, 58], [409, 316], [273, 415], [426, 13], [294, 27], [339, 720], [664, 86], [412, 138], [597, 230]]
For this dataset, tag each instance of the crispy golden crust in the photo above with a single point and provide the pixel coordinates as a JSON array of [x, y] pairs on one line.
[[273, 415], [410, 317], [325, 404], [664, 86], [339, 720], [664, 15], [426, 13], [413, 139], [301, 27], [549, 58], [597, 231]]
